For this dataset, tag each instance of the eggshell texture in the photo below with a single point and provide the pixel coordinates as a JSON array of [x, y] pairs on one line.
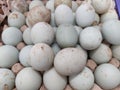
[[7, 78], [16, 19], [109, 15], [63, 15], [35, 3], [97, 19], [42, 32], [24, 55], [8, 56], [101, 6], [11, 36], [75, 59], [66, 36], [78, 29], [41, 57], [116, 51], [86, 18], [66, 2], [19, 5], [90, 38], [101, 55], [28, 79], [111, 31], [38, 14], [107, 76], [50, 5], [85, 78], [27, 36], [59, 81]]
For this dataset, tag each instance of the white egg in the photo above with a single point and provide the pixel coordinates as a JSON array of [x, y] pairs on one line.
[[116, 51], [42, 32], [66, 36], [41, 57], [70, 61], [24, 55], [63, 15], [85, 15], [107, 76], [16, 19], [28, 79], [58, 81], [27, 36], [102, 54], [90, 38], [8, 56], [11, 36], [82, 81], [101, 6], [7, 79], [111, 31]]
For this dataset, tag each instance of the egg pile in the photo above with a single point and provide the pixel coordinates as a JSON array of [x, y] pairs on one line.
[[61, 45]]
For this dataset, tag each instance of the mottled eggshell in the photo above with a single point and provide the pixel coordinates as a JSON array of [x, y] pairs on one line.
[[11, 36], [107, 76], [111, 31], [90, 38], [41, 57], [50, 5], [55, 48], [101, 55], [66, 2], [35, 3], [66, 36], [28, 79], [42, 32], [59, 81], [70, 61], [38, 14], [63, 15], [74, 6], [85, 15], [109, 15], [7, 79], [27, 36], [101, 6], [116, 52], [24, 55], [8, 56], [82, 81], [16, 19], [19, 5]]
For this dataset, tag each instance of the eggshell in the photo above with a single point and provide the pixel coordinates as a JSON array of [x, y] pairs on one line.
[[11, 36], [59, 81], [41, 57], [82, 81], [116, 51], [110, 31], [90, 38], [66, 36], [63, 15], [28, 79], [102, 54], [7, 79], [8, 56], [16, 19], [50, 5], [42, 32], [75, 59], [24, 55], [107, 76]]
